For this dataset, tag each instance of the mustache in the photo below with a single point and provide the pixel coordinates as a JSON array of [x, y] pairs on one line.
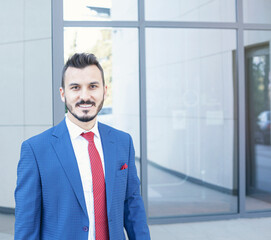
[[85, 102]]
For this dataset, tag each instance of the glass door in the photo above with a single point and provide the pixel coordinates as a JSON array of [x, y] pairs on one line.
[[258, 177]]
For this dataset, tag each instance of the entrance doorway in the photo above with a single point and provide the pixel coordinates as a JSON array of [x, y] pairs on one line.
[[258, 170]]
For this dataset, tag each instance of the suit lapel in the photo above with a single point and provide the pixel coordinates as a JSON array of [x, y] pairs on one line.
[[109, 151], [63, 147]]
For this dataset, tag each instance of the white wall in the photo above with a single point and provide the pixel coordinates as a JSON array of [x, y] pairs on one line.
[[125, 83], [190, 87], [26, 77], [190, 102], [192, 10], [256, 37], [257, 11], [124, 10]]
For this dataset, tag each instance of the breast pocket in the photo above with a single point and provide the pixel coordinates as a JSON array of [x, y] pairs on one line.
[[121, 173], [121, 182]]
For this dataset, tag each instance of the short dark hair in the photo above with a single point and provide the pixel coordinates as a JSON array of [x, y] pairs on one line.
[[81, 60]]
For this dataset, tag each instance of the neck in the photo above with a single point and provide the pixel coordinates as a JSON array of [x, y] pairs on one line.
[[84, 125]]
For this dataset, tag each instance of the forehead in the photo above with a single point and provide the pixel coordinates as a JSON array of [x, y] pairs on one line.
[[81, 75]]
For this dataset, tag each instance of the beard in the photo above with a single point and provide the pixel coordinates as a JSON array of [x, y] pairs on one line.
[[85, 118]]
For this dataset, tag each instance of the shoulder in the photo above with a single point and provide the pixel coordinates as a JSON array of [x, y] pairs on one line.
[[44, 136], [121, 135], [40, 138]]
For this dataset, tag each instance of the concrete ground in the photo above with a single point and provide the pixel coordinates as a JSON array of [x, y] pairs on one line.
[[237, 229]]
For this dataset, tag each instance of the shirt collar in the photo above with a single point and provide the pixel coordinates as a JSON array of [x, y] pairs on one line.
[[75, 131]]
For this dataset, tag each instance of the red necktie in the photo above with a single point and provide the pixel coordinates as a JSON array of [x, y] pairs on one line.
[[99, 194]]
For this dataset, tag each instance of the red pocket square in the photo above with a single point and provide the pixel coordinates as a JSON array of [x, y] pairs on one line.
[[124, 166]]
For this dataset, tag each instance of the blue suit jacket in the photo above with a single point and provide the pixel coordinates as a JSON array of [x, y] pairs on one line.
[[49, 195]]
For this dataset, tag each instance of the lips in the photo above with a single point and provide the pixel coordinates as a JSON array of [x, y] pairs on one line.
[[85, 105]]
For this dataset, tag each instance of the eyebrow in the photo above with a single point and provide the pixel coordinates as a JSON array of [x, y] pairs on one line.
[[96, 82], [76, 84], [73, 84]]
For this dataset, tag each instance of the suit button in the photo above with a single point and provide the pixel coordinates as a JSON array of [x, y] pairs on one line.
[[85, 228]]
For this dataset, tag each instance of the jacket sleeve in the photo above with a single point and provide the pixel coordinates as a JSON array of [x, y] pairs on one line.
[[27, 196], [135, 220]]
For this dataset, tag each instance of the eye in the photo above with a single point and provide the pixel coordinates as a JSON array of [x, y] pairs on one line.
[[75, 87], [92, 86]]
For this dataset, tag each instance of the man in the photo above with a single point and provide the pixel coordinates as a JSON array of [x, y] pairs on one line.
[[78, 179]]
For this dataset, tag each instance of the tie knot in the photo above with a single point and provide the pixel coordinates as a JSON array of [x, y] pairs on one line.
[[89, 136]]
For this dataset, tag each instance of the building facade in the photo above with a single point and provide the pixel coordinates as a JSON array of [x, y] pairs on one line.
[[189, 80]]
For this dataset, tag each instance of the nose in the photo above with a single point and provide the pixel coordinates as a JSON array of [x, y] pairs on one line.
[[85, 95]]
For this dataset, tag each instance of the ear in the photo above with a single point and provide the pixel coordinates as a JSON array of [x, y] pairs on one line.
[[105, 91], [62, 94]]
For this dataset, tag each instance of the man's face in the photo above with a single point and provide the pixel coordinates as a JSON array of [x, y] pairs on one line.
[[83, 93]]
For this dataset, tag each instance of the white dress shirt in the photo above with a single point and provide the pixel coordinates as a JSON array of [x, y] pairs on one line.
[[80, 147]]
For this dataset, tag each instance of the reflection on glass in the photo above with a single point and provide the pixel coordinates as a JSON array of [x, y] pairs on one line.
[[192, 10], [257, 11], [191, 136], [117, 51], [99, 10], [258, 79]]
